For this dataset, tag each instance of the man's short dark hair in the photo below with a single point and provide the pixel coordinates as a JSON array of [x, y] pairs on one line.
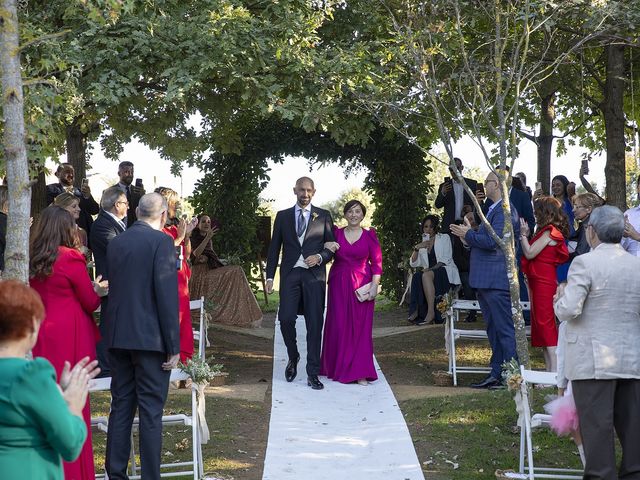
[[126, 163]]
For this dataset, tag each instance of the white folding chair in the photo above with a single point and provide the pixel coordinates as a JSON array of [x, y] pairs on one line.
[[529, 422], [200, 335], [167, 469], [453, 333]]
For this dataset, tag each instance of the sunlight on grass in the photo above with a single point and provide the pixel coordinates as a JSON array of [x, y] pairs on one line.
[[479, 433]]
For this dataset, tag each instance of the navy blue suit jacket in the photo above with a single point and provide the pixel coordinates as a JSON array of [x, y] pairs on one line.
[[448, 203], [142, 312], [521, 202], [285, 238], [104, 229], [488, 268]]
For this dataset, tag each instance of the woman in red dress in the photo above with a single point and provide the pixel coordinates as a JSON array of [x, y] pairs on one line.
[[180, 231], [540, 259], [58, 272]]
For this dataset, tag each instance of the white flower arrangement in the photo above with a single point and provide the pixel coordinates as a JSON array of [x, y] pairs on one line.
[[200, 371]]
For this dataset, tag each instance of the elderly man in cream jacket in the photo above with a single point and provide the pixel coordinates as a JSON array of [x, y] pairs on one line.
[[601, 307]]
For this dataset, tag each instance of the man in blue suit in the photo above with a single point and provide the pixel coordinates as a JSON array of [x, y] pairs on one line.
[[521, 203], [488, 275], [301, 232]]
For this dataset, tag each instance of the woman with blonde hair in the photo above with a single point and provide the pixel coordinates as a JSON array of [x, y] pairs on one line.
[[180, 231], [71, 204], [583, 205]]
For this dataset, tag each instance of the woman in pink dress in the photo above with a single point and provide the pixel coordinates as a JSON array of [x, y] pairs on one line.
[[347, 344], [68, 332]]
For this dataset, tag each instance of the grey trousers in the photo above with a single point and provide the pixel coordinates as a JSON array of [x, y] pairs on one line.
[[604, 406]]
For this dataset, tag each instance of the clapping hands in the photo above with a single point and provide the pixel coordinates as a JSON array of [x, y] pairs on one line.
[[524, 228], [460, 230], [629, 230], [559, 291], [74, 383], [101, 287]]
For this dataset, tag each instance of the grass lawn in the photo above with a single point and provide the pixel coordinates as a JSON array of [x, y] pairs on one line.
[[457, 436], [471, 436]]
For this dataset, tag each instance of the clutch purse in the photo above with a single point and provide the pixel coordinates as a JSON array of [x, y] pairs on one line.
[[362, 293]]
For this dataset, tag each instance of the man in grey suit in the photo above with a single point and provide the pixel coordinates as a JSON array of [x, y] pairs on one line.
[[601, 307], [142, 335]]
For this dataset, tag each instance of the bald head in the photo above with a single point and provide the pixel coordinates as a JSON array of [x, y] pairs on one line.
[[303, 180], [151, 207], [304, 191]]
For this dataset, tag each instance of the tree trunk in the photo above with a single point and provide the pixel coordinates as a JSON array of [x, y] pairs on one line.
[[545, 139], [39, 195], [613, 113], [77, 151], [507, 245], [15, 153]]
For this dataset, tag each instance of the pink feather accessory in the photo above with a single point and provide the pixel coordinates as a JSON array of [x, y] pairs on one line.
[[564, 416]]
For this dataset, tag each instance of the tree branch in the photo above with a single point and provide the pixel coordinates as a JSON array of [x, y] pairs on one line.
[[42, 38]]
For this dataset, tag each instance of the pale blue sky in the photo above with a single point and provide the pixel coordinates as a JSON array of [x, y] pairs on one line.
[[329, 180]]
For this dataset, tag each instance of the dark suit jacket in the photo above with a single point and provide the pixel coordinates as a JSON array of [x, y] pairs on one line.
[[522, 203], [319, 231], [88, 206], [449, 203], [104, 229], [488, 268], [134, 200], [142, 313]]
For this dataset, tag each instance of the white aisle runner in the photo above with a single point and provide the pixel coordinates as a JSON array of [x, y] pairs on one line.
[[345, 432]]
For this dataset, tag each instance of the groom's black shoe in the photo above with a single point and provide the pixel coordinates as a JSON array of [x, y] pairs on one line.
[[487, 383], [313, 382], [292, 369]]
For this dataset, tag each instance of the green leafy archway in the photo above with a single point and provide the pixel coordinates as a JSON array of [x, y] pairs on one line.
[[396, 179]]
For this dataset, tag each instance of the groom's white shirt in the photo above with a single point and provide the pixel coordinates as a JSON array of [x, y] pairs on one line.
[[306, 213]]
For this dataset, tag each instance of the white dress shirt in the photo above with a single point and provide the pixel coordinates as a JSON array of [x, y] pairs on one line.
[[458, 193], [630, 245], [306, 213]]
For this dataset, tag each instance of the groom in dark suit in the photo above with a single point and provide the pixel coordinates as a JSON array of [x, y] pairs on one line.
[[301, 232], [142, 335]]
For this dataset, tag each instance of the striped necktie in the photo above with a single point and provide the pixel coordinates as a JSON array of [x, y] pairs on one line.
[[301, 225]]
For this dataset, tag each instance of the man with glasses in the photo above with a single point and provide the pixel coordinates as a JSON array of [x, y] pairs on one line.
[[488, 275], [111, 221]]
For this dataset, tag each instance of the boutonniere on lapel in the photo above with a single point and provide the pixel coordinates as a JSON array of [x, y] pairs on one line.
[[314, 215]]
